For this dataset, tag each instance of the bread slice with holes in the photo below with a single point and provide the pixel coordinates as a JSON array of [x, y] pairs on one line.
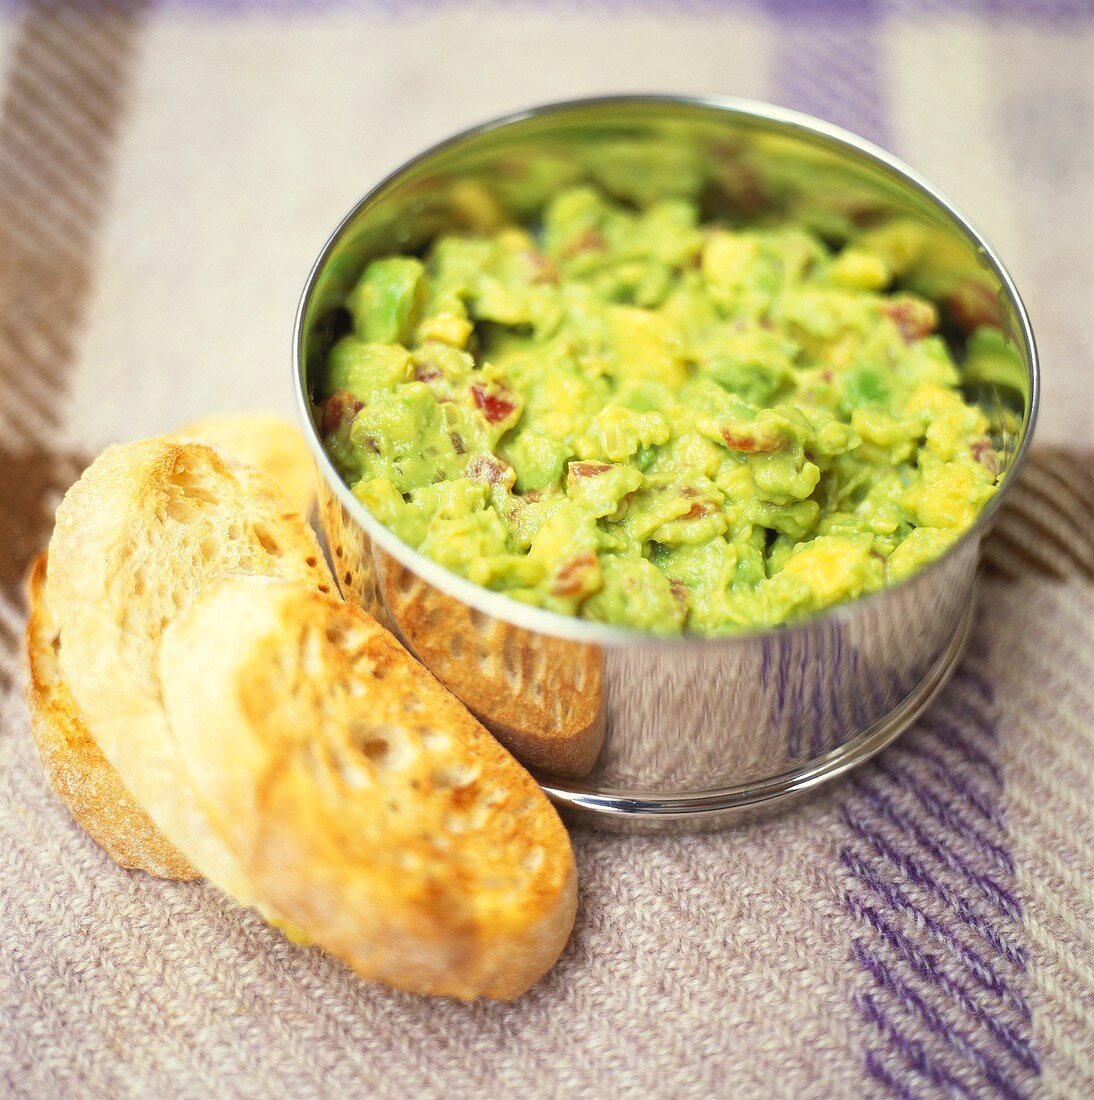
[[541, 697], [366, 804], [146, 527], [74, 765], [82, 778], [270, 443]]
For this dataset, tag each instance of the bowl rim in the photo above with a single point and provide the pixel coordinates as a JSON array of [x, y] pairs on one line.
[[570, 627]]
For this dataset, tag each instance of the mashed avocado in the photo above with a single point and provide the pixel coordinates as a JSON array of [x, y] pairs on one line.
[[630, 416]]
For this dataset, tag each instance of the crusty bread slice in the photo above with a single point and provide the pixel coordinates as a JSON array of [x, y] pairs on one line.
[[541, 697], [143, 530], [75, 767], [364, 801], [270, 443]]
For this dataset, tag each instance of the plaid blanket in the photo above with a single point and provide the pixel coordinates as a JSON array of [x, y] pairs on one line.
[[167, 174]]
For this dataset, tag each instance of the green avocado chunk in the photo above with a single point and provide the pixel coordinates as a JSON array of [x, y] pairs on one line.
[[384, 302]]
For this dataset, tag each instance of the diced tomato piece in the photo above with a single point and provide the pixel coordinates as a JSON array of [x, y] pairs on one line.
[[570, 578], [426, 372], [592, 240], [589, 469], [914, 319], [489, 470], [496, 407], [338, 407], [750, 443], [543, 271], [679, 591]]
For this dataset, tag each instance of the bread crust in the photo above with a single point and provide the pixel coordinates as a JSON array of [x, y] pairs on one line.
[[542, 697], [369, 808], [146, 527], [74, 766]]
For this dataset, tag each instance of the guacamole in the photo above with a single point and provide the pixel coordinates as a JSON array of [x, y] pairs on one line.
[[625, 414]]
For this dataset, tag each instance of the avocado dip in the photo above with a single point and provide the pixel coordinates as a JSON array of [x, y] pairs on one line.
[[633, 417]]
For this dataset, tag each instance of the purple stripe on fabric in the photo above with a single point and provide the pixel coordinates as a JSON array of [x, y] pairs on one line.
[[915, 873], [926, 966], [948, 734], [892, 894], [952, 779], [969, 713], [906, 780], [879, 1073], [914, 1004], [1002, 899], [825, 62], [911, 1050]]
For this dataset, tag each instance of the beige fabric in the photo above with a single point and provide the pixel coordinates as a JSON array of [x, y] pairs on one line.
[[923, 930]]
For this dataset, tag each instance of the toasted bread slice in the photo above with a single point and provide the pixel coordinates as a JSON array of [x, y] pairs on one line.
[[541, 697], [73, 763], [366, 804], [75, 767], [143, 530], [270, 443]]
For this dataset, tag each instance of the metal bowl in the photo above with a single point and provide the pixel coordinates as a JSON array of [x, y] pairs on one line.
[[625, 730]]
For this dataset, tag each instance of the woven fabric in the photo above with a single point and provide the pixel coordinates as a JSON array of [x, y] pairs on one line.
[[167, 173]]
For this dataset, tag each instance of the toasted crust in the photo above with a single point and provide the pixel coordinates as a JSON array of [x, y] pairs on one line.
[[270, 443], [75, 767], [541, 697], [365, 803], [146, 528]]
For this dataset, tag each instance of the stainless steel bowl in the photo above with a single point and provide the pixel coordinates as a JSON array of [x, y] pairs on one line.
[[625, 730]]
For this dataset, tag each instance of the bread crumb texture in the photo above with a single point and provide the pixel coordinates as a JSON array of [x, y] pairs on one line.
[[268, 442]]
